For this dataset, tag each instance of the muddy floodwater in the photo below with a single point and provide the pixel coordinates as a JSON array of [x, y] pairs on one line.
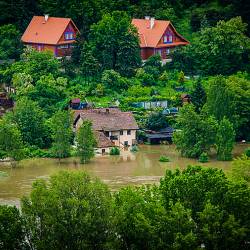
[[129, 168]]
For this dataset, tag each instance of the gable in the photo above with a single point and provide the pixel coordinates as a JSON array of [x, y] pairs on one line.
[[69, 33], [171, 36]]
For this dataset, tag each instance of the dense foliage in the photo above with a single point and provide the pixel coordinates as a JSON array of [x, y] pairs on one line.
[[185, 211]]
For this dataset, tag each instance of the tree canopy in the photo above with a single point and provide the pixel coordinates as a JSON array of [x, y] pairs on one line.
[[115, 43]]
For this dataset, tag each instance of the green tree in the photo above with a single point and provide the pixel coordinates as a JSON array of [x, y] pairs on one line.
[[61, 127], [196, 132], [112, 80], [214, 50], [35, 64], [89, 64], [230, 97], [220, 230], [72, 211], [241, 168], [30, 120], [86, 142], [153, 66], [116, 43], [11, 228], [142, 222], [181, 77], [49, 92], [156, 121], [10, 46], [225, 139], [11, 140], [198, 96], [220, 100]]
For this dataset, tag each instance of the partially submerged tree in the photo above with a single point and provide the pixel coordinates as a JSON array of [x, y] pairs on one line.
[[11, 143], [225, 139], [197, 132], [62, 134], [86, 142], [30, 119]]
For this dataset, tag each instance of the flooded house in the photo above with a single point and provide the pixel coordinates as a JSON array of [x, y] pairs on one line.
[[111, 126]]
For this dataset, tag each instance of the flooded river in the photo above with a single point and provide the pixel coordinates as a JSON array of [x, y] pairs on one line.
[[127, 169]]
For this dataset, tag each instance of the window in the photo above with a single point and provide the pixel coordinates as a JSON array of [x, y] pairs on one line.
[[167, 51], [129, 132], [113, 137], [165, 39], [69, 36], [125, 143], [65, 46], [121, 132], [170, 38], [103, 150]]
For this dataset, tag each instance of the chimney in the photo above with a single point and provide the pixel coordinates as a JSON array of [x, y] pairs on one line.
[[152, 22], [147, 17], [46, 17]]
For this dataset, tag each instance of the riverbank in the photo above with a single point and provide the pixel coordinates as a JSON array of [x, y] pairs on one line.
[[129, 168]]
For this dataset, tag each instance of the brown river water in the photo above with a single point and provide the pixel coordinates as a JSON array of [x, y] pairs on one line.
[[129, 168]]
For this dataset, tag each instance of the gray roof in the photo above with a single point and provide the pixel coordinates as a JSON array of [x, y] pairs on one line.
[[112, 119]]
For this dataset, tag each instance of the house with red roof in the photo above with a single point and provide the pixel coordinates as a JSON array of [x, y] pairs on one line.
[[157, 37], [55, 34]]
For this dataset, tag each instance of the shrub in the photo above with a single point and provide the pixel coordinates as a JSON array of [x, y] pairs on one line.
[[164, 158], [247, 152], [134, 148], [3, 174], [34, 152], [115, 151], [203, 157], [3, 154]]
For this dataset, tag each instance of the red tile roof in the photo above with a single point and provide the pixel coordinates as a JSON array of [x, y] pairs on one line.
[[49, 32], [151, 37]]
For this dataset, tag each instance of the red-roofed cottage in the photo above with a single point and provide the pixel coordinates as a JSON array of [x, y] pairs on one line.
[[157, 37], [51, 33]]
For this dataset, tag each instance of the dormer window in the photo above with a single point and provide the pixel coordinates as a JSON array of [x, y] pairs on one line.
[[69, 36]]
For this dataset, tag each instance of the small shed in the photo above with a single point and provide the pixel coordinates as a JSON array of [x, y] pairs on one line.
[[156, 137]]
